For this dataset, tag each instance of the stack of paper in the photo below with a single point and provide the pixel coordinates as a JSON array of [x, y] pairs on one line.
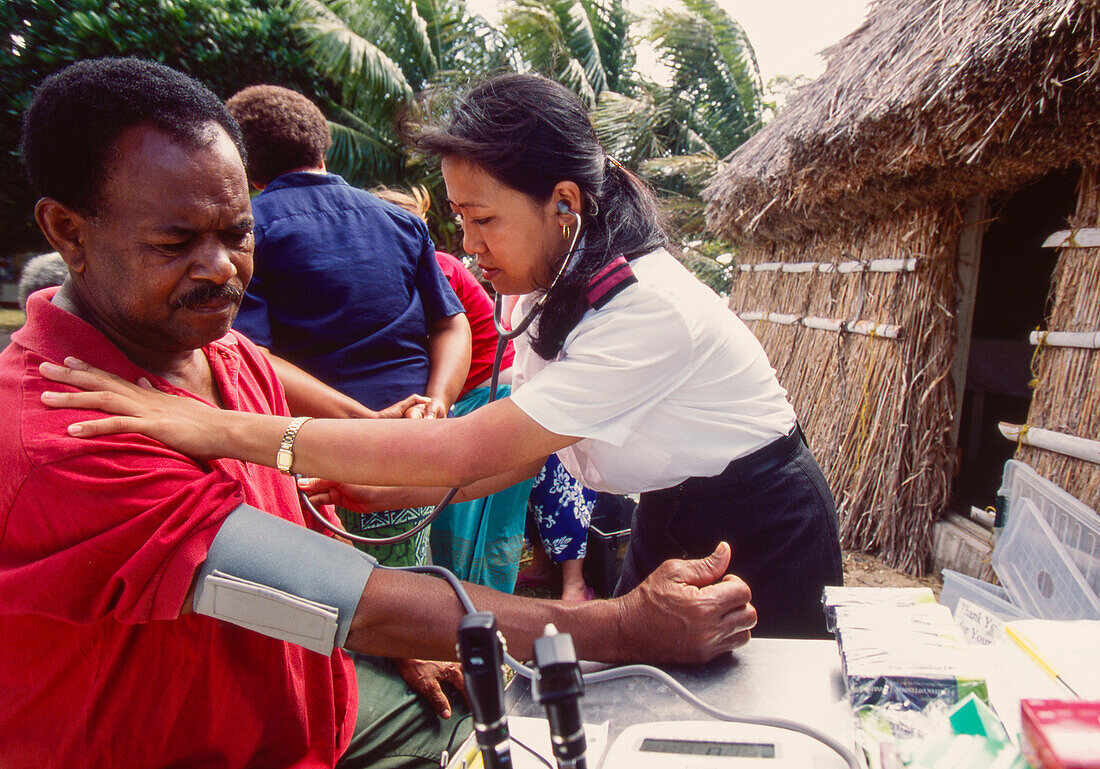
[[907, 656]]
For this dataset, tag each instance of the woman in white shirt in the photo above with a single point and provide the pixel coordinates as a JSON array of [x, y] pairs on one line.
[[637, 375]]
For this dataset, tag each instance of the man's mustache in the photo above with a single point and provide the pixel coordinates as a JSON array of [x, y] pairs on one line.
[[207, 293]]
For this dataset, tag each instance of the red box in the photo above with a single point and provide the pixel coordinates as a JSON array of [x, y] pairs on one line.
[[1061, 734]]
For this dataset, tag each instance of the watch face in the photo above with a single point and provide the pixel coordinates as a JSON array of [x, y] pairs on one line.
[[283, 460]]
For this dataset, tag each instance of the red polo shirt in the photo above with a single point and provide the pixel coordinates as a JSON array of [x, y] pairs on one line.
[[100, 540]]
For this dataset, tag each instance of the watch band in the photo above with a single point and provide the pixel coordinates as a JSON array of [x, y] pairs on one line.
[[284, 458]]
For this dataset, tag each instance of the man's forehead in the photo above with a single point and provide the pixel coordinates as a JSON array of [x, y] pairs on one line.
[[151, 170]]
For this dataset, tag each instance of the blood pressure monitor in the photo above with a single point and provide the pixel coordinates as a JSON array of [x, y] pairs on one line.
[[706, 745]]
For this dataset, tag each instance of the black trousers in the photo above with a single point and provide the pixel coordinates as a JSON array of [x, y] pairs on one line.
[[775, 509]]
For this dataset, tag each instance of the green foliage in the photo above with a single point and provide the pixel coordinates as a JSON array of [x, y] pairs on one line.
[[611, 25], [679, 181], [712, 104], [583, 44], [227, 44], [367, 63], [711, 263], [385, 54], [716, 88]]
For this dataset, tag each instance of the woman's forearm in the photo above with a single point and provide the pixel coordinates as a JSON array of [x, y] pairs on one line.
[[498, 438], [400, 497], [495, 440]]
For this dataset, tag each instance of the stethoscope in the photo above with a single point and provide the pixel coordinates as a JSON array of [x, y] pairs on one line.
[[504, 336]]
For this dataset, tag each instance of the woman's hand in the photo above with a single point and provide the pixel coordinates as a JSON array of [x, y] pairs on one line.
[[427, 409], [402, 407], [359, 499], [186, 424]]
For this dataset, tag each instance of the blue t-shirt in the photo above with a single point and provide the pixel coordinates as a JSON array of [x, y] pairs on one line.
[[345, 286]]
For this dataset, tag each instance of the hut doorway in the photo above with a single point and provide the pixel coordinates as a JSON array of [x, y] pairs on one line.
[[1012, 286]]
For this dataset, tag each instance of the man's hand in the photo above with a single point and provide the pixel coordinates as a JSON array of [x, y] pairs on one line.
[[427, 679], [687, 611]]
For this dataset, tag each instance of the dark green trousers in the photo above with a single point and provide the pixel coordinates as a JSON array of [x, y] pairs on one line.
[[396, 728]]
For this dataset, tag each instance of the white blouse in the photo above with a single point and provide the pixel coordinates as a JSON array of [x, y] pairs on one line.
[[663, 383]]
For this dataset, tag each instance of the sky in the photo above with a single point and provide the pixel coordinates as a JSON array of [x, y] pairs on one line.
[[787, 34]]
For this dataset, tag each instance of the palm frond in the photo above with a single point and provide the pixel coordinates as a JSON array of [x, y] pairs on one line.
[[625, 127], [361, 153], [412, 36], [611, 23], [714, 71], [574, 77], [367, 73], [534, 30], [580, 40]]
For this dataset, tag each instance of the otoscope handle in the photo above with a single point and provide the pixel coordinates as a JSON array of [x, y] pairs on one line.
[[481, 649], [558, 686]]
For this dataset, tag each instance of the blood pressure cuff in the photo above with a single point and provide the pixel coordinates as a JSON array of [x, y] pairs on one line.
[[282, 580]]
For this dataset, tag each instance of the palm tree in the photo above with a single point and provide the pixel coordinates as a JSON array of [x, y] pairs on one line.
[[384, 53], [713, 102], [714, 72], [582, 44]]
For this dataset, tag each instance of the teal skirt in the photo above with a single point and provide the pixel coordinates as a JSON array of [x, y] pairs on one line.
[[481, 541]]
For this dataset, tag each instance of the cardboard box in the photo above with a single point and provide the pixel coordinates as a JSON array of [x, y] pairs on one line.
[[1061, 734]]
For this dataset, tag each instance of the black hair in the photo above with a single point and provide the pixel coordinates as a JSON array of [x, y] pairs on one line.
[[284, 131], [73, 124], [530, 133]]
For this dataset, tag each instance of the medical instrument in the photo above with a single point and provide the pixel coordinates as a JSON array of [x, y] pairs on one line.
[[481, 650], [703, 744], [648, 671], [504, 336], [558, 686], [262, 574]]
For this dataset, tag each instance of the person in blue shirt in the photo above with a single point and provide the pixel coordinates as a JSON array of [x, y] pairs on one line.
[[346, 286]]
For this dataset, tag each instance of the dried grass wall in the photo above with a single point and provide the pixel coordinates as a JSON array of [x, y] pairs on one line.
[[877, 411], [1067, 392]]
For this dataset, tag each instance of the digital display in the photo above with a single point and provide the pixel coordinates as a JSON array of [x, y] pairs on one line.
[[709, 748]]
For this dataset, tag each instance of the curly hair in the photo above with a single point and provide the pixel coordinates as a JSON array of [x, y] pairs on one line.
[[283, 130], [78, 114]]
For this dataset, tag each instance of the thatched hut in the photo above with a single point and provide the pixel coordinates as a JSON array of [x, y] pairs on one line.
[[889, 224]]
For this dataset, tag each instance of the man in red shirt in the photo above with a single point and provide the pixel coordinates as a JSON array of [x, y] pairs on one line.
[[108, 655]]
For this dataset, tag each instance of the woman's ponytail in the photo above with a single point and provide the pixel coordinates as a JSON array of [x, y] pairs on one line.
[[622, 221]]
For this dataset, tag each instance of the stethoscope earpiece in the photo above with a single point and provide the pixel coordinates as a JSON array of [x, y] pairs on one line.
[[563, 207]]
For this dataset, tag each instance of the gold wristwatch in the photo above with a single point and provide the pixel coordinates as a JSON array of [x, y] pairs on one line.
[[285, 456]]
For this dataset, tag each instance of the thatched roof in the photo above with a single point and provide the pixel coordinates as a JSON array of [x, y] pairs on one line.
[[929, 100]]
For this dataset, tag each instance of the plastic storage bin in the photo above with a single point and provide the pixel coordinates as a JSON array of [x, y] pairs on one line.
[[1034, 568], [992, 598], [1073, 522], [608, 537]]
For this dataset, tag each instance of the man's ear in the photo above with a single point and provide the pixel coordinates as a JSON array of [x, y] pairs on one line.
[[63, 227]]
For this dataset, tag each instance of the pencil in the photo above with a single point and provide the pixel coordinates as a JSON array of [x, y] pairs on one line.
[[1029, 649]]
